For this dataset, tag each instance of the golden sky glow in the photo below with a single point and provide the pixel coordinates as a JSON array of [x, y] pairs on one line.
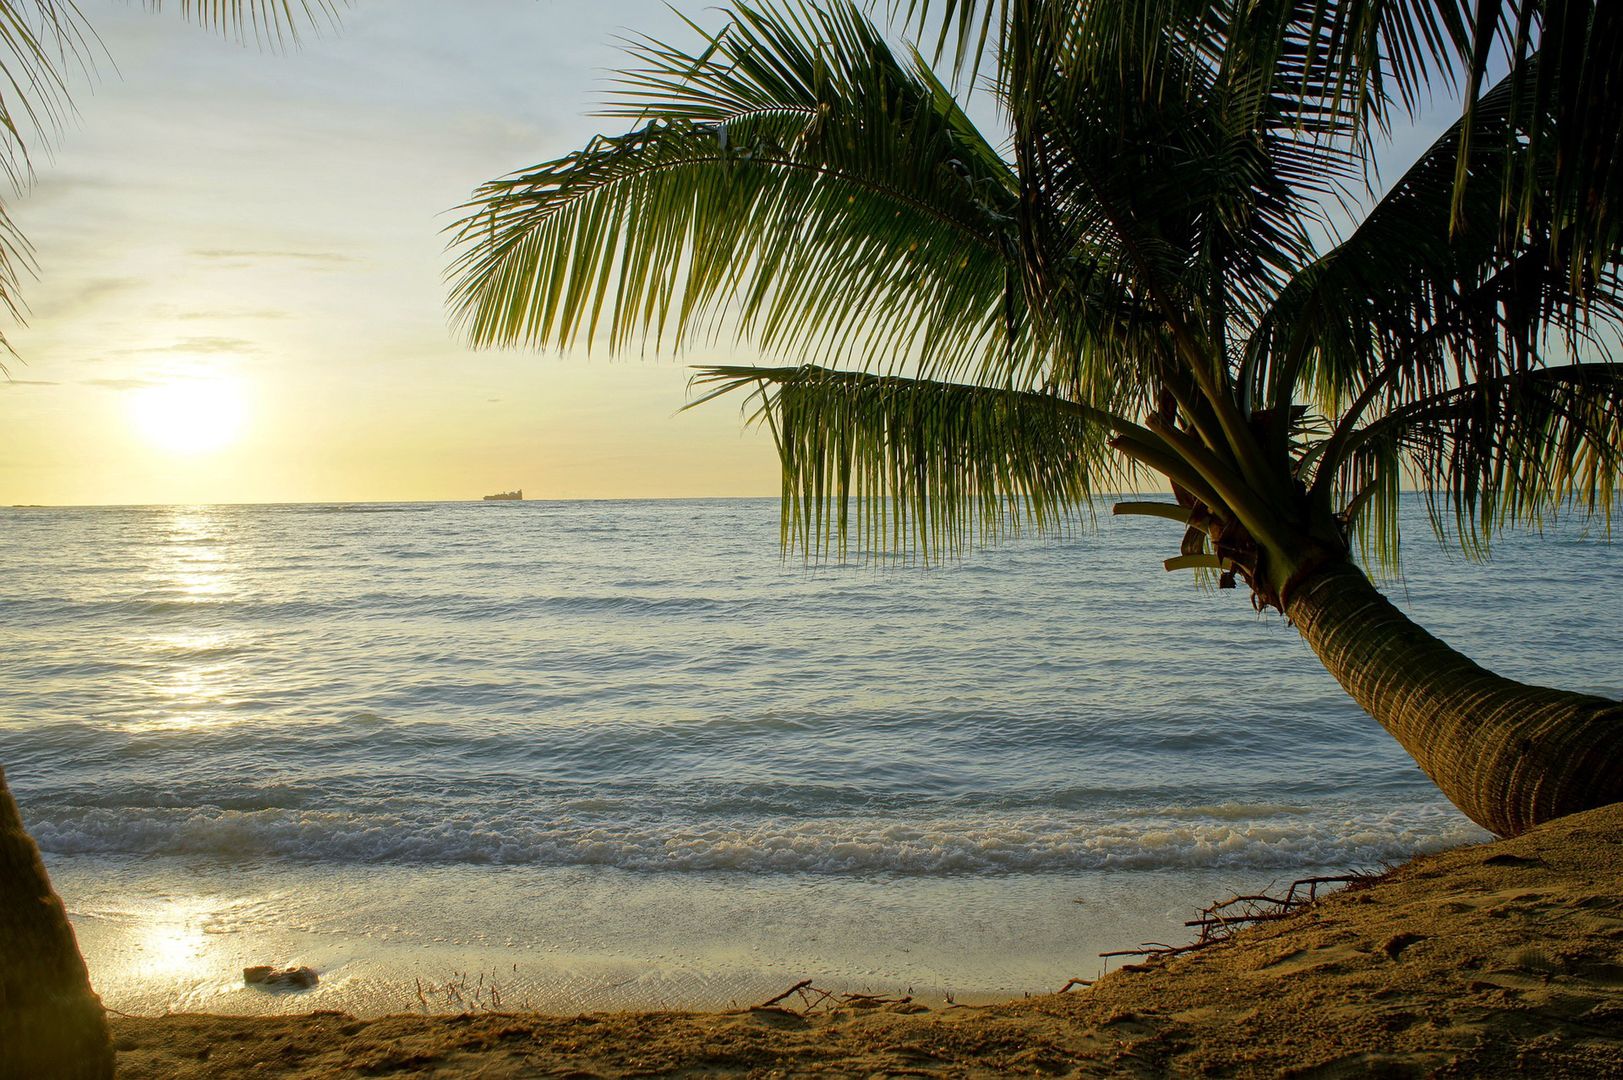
[[240, 293], [241, 297]]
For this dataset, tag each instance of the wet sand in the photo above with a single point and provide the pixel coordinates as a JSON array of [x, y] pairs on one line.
[[1495, 959], [170, 937]]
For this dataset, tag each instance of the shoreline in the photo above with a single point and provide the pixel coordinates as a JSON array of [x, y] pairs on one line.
[[1485, 959], [174, 936]]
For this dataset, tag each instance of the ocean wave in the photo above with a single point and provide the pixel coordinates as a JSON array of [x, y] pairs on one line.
[[1028, 844], [649, 685], [371, 606], [352, 508]]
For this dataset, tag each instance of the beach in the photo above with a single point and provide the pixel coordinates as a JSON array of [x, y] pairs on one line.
[[562, 939], [443, 754], [1070, 505], [549, 745], [1496, 959]]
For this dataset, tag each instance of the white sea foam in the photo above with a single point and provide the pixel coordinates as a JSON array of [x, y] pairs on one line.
[[1031, 844]]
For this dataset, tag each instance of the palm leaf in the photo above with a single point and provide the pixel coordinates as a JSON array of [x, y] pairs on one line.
[[1412, 303], [1515, 449], [1362, 56], [792, 177], [919, 466], [1573, 120], [964, 27], [1173, 168], [270, 23]]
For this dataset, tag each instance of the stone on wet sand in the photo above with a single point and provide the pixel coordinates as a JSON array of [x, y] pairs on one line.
[[264, 975]]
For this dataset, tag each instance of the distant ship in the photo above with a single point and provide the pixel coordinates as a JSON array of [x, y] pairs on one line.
[[506, 496]]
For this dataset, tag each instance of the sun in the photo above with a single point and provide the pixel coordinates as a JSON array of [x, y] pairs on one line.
[[192, 417]]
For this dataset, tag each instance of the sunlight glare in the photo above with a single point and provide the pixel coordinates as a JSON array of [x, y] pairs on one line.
[[192, 417], [172, 940]]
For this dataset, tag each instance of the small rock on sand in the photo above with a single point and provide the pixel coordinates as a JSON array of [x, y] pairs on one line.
[[265, 975]]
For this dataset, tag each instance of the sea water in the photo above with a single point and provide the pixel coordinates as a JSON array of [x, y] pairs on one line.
[[608, 754]]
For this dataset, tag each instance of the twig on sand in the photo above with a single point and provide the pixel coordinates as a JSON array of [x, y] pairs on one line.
[[1073, 983], [795, 989], [1217, 921], [813, 998], [865, 1000]]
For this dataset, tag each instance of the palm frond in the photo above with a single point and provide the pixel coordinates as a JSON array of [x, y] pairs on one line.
[[1413, 302], [1171, 168], [921, 467], [45, 44], [269, 23], [793, 177], [42, 42], [1201, 192], [1146, 253], [1355, 58], [1572, 117], [1515, 449], [963, 30], [1381, 54]]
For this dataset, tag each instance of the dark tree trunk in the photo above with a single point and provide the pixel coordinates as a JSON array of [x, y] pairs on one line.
[[51, 1022], [1508, 754]]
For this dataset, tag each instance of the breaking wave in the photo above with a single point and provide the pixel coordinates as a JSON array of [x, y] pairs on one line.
[[1029, 844]]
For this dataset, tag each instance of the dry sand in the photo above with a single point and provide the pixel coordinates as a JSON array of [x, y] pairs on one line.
[[1494, 960]]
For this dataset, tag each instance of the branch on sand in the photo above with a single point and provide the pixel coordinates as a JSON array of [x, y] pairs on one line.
[[813, 998], [1219, 920]]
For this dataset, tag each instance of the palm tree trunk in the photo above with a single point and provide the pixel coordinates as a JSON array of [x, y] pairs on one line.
[[1508, 754], [51, 1022]]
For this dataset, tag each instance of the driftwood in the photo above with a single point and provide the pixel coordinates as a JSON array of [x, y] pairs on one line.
[[1217, 921], [813, 998], [871, 1001]]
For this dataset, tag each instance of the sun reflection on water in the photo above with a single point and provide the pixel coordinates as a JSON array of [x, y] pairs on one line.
[[193, 563], [192, 667], [172, 940]]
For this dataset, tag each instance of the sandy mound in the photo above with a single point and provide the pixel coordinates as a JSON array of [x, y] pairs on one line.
[[1499, 959]]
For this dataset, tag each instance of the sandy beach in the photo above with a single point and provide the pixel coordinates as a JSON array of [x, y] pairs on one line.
[[666, 538], [1495, 959], [564, 940]]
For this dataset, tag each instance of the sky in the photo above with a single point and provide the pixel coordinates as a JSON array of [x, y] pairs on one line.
[[240, 296], [240, 292]]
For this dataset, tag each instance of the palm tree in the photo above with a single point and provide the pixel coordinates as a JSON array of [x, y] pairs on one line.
[[51, 1021], [1168, 269]]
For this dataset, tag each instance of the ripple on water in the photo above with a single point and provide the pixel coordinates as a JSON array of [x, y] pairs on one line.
[[651, 686]]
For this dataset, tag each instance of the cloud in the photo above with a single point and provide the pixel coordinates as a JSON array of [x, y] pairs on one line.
[[55, 187], [122, 384], [244, 256], [27, 382], [210, 344], [206, 344], [227, 315], [88, 294]]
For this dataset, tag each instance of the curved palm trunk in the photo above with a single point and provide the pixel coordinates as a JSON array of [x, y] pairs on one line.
[[51, 1022], [1509, 755]]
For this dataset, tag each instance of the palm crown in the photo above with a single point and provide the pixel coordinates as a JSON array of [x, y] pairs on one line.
[[1136, 280]]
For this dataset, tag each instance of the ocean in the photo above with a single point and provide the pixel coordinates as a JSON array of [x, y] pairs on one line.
[[615, 754]]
